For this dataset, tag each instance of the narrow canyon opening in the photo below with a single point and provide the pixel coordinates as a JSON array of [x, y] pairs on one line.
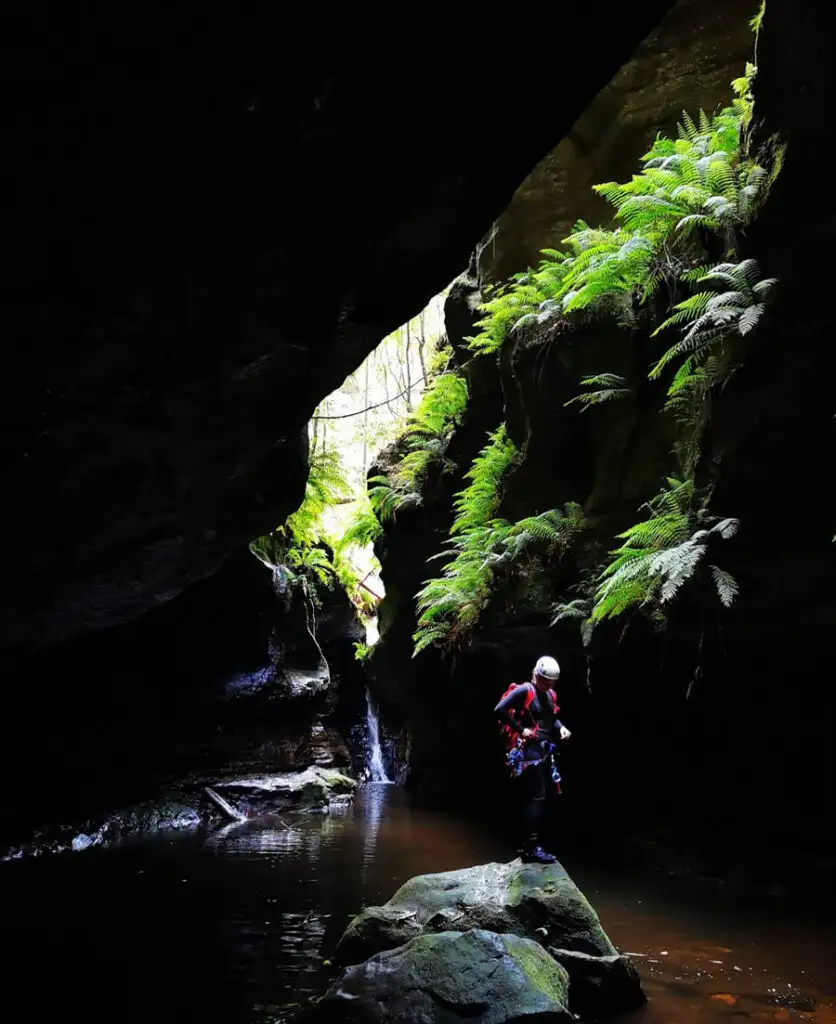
[[343, 396]]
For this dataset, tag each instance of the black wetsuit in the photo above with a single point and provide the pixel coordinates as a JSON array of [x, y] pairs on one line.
[[535, 778]]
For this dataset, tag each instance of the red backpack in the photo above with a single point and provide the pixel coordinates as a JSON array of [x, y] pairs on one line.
[[509, 735]]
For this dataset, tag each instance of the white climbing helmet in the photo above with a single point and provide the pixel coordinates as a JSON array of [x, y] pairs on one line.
[[547, 667]]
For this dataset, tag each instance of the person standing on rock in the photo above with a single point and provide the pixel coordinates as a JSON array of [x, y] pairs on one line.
[[528, 715]]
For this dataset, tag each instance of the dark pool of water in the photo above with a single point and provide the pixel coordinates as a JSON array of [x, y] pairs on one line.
[[237, 925]]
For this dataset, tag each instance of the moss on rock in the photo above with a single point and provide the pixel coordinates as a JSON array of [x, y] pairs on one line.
[[529, 905], [313, 787], [510, 898], [477, 976]]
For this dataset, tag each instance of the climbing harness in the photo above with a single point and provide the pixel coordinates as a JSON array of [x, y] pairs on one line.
[[514, 743], [517, 763]]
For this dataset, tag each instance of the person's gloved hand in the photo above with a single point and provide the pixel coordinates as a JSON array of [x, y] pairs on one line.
[[564, 733], [529, 734]]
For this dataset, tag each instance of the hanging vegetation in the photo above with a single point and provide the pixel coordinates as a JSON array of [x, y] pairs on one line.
[[484, 547], [677, 228]]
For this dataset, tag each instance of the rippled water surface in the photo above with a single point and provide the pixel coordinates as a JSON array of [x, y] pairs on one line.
[[237, 925]]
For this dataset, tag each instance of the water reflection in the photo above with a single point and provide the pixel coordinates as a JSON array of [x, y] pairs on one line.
[[372, 808], [236, 926], [253, 838]]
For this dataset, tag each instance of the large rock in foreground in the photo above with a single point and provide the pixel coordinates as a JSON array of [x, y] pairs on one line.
[[477, 976], [537, 902]]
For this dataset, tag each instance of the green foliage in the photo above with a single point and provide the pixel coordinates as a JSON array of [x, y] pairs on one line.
[[362, 529], [577, 610], [609, 387], [506, 305], [453, 602], [735, 305], [662, 553], [695, 181], [676, 223], [425, 437], [349, 579], [544, 534], [325, 487], [606, 272], [295, 548], [312, 564], [441, 406], [483, 546], [385, 499], [362, 652], [428, 431], [476, 504], [698, 181], [381, 503]]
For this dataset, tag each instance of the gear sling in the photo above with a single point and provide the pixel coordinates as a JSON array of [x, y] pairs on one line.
[[512, 738]]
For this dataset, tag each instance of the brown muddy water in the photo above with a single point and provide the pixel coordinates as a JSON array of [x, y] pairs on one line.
[[237, 925]]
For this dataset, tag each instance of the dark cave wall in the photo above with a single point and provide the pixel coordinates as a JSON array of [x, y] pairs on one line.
[[199, 686], [685, 63], [208, 227], [716, 741]]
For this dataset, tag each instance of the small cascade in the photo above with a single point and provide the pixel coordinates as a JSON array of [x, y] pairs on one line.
[[374, 755]]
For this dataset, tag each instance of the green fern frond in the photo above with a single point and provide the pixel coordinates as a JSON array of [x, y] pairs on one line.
[[610, 386], [660, 555], [710, 317], [362, 529], [726, 585]]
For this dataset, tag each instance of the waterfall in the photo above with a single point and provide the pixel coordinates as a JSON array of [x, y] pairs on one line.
[[377, 769]]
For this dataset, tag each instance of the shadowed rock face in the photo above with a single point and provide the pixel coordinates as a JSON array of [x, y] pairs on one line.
[[686, 63], [754, 731], [215, 219]]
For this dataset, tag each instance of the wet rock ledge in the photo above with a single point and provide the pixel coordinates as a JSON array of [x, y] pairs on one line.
[[493, 944], [316, 790]]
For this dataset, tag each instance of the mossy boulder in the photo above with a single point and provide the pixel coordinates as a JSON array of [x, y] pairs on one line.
[[539, 902], [476, 976], [600, 985], [315, 787]]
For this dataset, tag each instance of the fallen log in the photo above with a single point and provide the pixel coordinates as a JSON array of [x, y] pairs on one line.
[[226, 809]]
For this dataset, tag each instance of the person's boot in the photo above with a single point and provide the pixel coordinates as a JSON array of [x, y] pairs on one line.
[[533, 853]]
